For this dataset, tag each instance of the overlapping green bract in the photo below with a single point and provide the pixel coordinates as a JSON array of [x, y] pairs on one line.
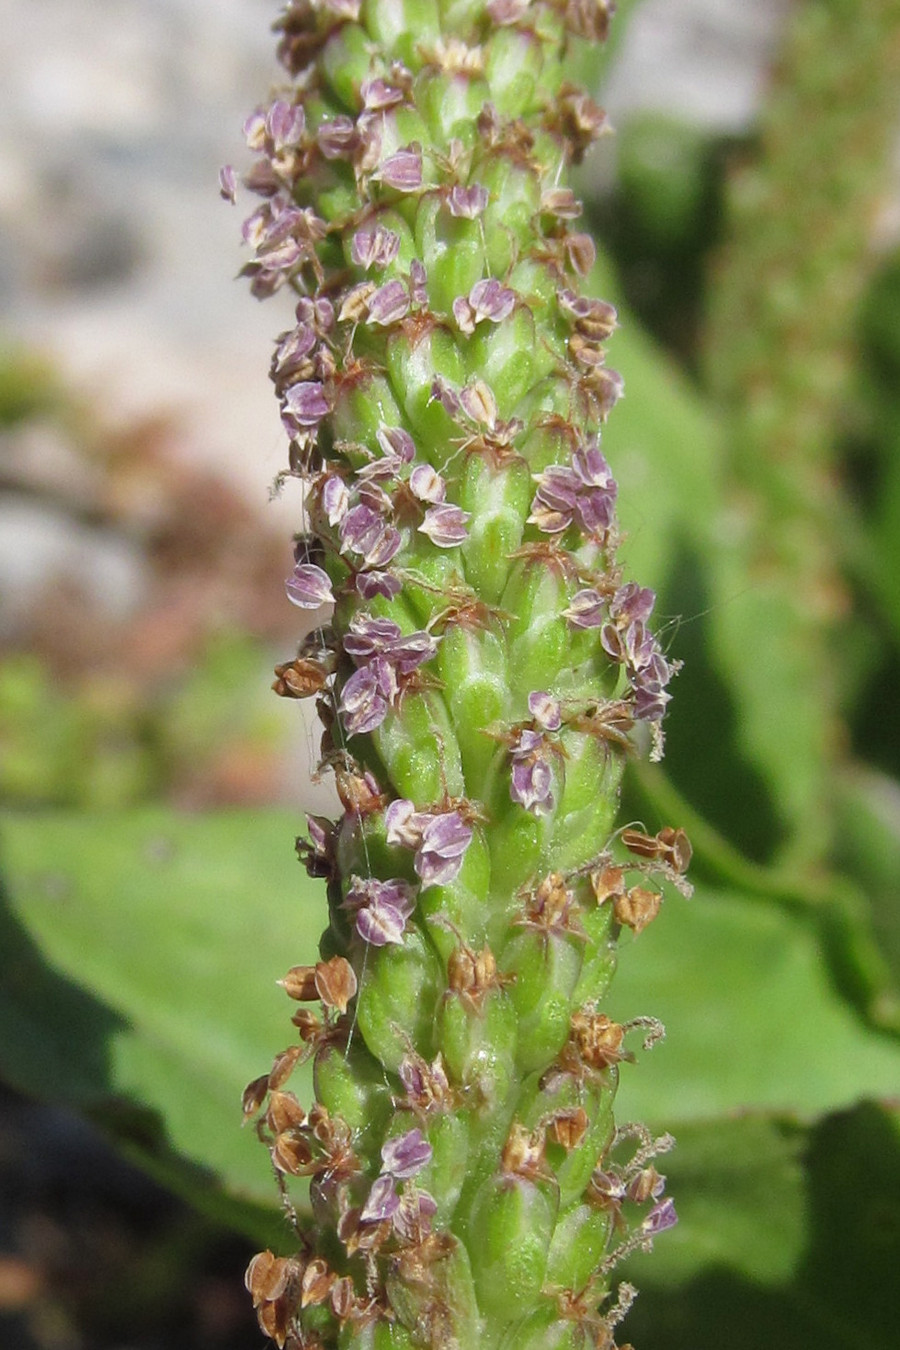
[[480, 681]]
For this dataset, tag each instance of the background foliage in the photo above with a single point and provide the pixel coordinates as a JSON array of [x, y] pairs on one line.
[[758, 455]]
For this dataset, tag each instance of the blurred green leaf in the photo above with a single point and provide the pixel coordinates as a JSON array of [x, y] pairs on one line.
[[752, 1020], [787, 1237], [137, 979]]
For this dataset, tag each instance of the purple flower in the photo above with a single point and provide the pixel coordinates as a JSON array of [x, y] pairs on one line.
[[487, 299], [478, 403], [445, 838], [584, 491], [443, 394], [365, 532], [374, 248], [377, 94], [412, 1219], [396, 441], [285, 125], [587, 609], [308, 587], [402, 170], [227, 184], [382, 909], [338, 138], [367, 696], [306, 403], [383, 1201], [426, 484], [468, 202], [405, 1154], [402, 824], [545, 710], [594, 317], [388, 304], [368, 637], [370, 584], [440, 839], [445, 525], [418, 283], [631, 602], [335, 499], [531, 780], [661, 1217]]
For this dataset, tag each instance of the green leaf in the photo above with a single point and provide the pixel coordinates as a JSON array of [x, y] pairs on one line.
[[138, 961], [786, 1237], [752, 1020]]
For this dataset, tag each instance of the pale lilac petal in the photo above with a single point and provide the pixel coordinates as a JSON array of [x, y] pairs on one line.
[[418, 283], [445, 526], [586, 609], [389, 303], [402, 824], [545, 710], [426, 484], [468, 202], [661, 1217], [370, 584], [338, 138], [396, 441], [402, 170], [443, 394], [307, 403], [368, 637], [285, 125], [377, 94], [227, 184], [308, 587], [381, 926], [367, 696], [631, 602], [490, 300], [382, 1203], [412, 1219], [410, 652], [406, 1154], [374, 248], [335, 499], [530, 786]]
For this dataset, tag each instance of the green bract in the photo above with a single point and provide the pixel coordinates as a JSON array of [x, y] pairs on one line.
[[483, 674]]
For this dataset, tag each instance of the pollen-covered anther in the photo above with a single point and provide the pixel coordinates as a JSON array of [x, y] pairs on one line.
[[300, 678], [523, 1154], [332, 981], [599, 1041], [316, 1284], [254, 1095], [607, 882], [637, 908], [269, 1277], [292, 1153], [284, 1065], [561, 203], [568, 1128], [284, 1112], [358, 791], [552, 908], [473, 975], [453, 56], [308, 1025]]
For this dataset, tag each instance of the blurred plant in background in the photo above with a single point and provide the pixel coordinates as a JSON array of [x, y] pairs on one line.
[[757, 457]]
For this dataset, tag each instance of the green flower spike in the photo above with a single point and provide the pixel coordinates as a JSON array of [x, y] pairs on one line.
[[484, 672]]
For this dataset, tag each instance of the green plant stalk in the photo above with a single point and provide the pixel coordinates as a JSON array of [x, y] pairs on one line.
[[483, 676], [801, 221]]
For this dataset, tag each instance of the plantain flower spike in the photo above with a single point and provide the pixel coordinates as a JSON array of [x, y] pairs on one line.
[[483, 673]]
